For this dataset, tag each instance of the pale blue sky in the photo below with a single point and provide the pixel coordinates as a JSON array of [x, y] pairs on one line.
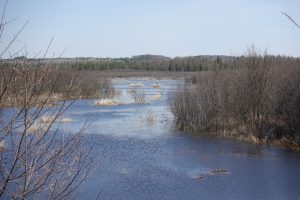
[[121, 28]]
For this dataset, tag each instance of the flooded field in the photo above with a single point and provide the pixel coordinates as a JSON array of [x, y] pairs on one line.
[[140, 156]]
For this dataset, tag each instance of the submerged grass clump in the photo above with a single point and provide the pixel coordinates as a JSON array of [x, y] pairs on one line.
[[106, 102], [2, 146], [138, 96], [139, 84], [156, 97], [66, 120], [155, 85], [149, 118], [47, 119]]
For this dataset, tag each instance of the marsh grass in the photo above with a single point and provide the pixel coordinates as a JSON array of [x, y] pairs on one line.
[[137, 95], [157, 96], [106, 102], [149, 118], [2, 146]]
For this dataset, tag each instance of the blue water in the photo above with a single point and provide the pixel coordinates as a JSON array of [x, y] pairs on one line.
[[139, 155]]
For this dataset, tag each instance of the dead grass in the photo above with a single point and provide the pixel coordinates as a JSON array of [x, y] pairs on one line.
[[138, 96], [156, 97], [47, 119], [156, 85], [2, 146], [106, 102], [34, 128], [139, 84], [150, 119], [65, 120]]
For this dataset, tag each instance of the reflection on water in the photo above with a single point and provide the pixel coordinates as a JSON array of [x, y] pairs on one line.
[[140, 156]]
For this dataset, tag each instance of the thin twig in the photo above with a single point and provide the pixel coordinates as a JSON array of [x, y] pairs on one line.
[[291, 19]]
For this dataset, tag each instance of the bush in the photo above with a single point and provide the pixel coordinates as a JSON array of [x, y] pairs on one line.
[[260, 97]]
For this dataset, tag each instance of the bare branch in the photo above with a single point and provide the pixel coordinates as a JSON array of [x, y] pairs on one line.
[[291, 19]]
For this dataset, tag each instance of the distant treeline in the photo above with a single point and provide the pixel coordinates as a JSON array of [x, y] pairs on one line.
[[145, 62]]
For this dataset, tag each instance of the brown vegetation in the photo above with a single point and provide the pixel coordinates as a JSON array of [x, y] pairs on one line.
[[54, 84], [258, 101], [137, 95], [36, 160]]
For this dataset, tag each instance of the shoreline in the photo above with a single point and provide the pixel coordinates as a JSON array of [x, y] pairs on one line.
[[282, 143], [54, 99]]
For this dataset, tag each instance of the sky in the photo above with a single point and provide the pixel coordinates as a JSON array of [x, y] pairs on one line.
[[123, 28]]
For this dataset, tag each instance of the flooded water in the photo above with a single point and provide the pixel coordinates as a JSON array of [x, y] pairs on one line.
[[140, 156]]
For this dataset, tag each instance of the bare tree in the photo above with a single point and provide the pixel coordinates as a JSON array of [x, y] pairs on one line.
[[37, 159], [252, 97]]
